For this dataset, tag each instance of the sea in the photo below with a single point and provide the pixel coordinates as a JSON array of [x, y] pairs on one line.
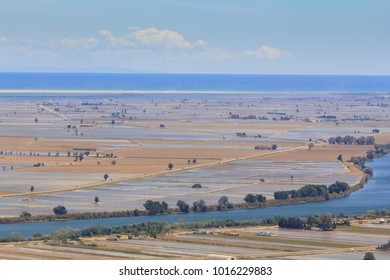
[[196, 82]]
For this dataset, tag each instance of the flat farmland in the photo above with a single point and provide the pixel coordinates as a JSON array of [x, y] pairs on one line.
[[209, 141]]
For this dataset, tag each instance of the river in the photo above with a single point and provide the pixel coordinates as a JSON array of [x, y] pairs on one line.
[[375, 195]]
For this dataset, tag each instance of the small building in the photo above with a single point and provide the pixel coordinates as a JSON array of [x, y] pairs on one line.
[[111, 238]]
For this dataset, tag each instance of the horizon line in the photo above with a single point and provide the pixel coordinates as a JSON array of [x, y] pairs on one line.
[[195, 73]]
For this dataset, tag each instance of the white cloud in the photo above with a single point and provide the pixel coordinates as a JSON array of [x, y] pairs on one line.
[[149, 38], [117, 41], [83, 43], [153, 37], [3, 39], [265, 51], [105, 33], [201, 43]]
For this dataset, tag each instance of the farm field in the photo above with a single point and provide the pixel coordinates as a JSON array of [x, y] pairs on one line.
[[209, 141]]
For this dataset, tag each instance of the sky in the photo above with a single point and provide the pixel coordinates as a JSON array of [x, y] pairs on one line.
[[337, 37]]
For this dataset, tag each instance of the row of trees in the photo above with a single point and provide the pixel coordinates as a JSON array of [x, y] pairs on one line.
[[153, 229], [56, 154], [324, 222], [313, 191], [380, 150], [273, 147], [252, 198], [155, 207], [197, 206], [350, 140]]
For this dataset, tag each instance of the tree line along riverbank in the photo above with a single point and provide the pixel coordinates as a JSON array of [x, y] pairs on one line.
[[324, 222]]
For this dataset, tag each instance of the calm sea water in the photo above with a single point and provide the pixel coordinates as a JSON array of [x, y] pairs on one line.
[[196, 82], [374, 196]]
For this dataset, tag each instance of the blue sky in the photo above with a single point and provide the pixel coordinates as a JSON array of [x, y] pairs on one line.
[[196, 36]]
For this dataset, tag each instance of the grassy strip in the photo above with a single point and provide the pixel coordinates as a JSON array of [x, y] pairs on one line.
[[119, 251], [241, 245], [295, 241], [364, 230]]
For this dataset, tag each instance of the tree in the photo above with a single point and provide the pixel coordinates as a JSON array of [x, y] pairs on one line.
[[281, 195], [326, 223], [105, 176], [25, 214], [368, 170], [97, 199], [60, 210], [370, 140], [310, 145], [274, 147], [194, 161], [113, 162], [32, 188], [250, 198], [370, 154], [260, 198], [183, 206], [81, 157], [165, 206], [291, 222], [340, 157], [369, 256], [223, 203], [155, 207], [332, 140], [199, 206], [223, 200], [65, 234], [170, 166], [338, 187], [153, 233]]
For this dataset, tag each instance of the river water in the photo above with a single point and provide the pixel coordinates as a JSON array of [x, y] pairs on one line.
[[375, 195]]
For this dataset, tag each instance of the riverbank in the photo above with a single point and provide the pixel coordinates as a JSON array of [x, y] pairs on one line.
[[169, 211], [227, 207]]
